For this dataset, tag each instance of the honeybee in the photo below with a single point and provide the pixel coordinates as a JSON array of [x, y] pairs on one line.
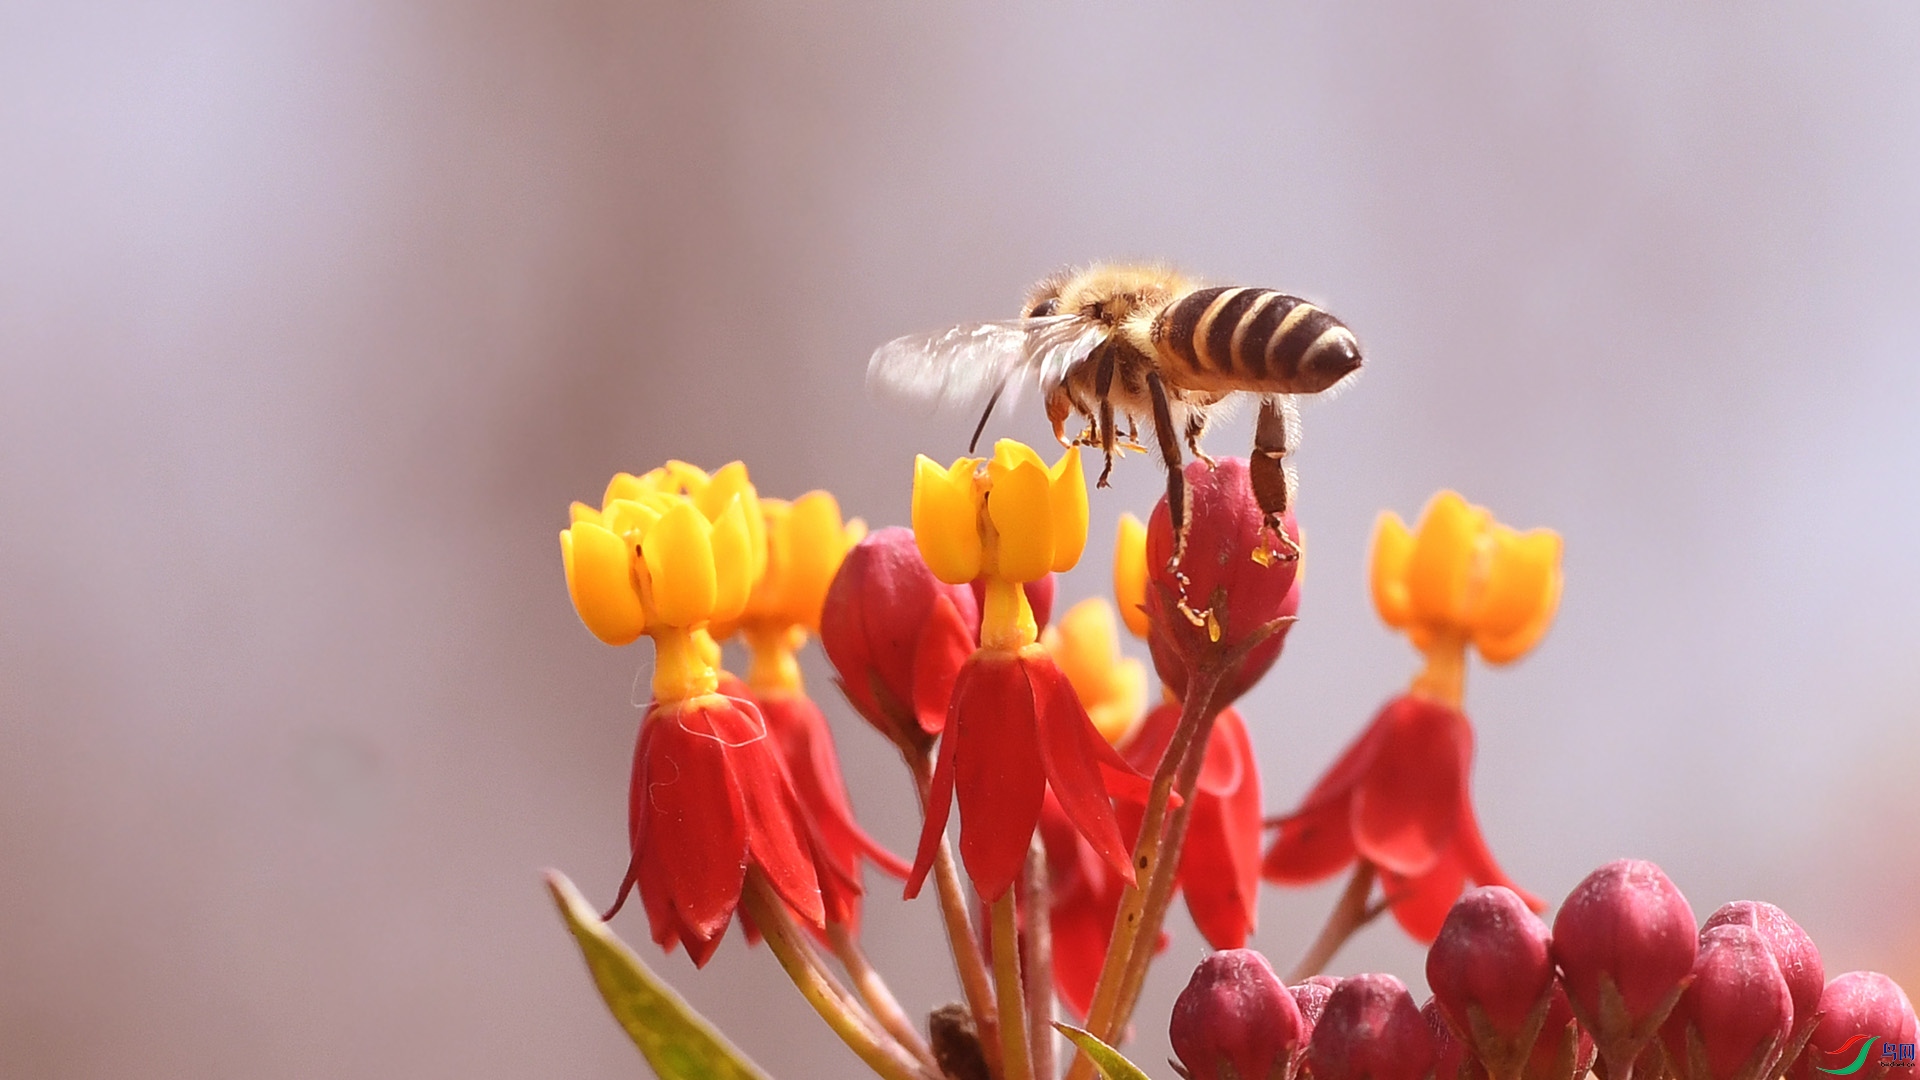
[[1147, 344]]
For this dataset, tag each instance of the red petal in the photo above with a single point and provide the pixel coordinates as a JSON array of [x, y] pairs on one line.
[[1339, 780], [1478, 861], [699, 949], [944, 645], [1408, 805], [773, 814], [1420, 904], [1222, 770], [1220, 865], [998, 774], [1073, 752], [697, 822], [1081, 927], [1312, 845], [636, 820], [1214, 897], [806, 744], [939, 803]]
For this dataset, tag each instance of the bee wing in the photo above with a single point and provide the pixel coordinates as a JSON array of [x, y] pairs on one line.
[[964, 365]]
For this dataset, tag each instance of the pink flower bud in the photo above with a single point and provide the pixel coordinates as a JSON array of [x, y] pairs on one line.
[[1235, 1021], [1564, 1050], [897, 635], [1312, 997], [1492, 976], [1855, 1007], [1625, 944], [1371, 1030], [1792, 950], [1452, 1062], [1733, 1020], [1234, 582]]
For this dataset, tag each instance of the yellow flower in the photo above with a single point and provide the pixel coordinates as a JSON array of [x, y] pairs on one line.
[[659, 559], [1009, 516], [1085, 643], [1130, 573], [806, 542], [1462, 576], [711, 493], [1009, 519]]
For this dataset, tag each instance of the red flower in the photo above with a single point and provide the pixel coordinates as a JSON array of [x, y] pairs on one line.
[[1220, 862], [1398, 797], [710, 800], [1015, 730], [897, 635], [806, 744]]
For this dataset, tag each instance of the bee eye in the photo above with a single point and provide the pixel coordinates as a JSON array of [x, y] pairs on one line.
[[1044, 308]]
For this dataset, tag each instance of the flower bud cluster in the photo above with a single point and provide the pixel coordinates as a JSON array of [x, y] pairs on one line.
[[1623, 980]]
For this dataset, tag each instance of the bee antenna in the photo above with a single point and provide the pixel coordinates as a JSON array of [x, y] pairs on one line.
[[984, 413]]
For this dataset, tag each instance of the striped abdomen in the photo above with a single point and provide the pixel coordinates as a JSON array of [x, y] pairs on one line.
[[1252, 339]]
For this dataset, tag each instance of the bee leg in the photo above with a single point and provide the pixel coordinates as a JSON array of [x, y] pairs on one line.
[[1275, 434], [1170, 455], [1102, 386], [984, 413], [1196, 427]]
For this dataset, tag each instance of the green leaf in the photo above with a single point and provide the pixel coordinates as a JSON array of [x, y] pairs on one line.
[[677, 1041], [1111, 1064]]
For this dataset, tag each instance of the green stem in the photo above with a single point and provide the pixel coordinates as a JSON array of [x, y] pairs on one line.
[[1036, 957], [821, 989], [1014, 1053], [1348, 915], [879, 997], [1159, 894], [1130, 930], [968, 958]]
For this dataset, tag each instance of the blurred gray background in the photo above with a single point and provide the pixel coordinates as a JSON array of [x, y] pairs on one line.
[[313, 318]]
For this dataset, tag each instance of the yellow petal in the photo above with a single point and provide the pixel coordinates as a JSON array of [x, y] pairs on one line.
[[946, 521], [630, 519], [1392, 551], [1130, 573], [1085, 643], [732, 562], [679, 555], [818, 543], [1443, 553], [623, 486], [1125, 704], [1067, 491], [1521, 597], [1010, 452], [1019, 501], [679, 477], [728, 482], [599, 569], [856, 532], [580, 511]]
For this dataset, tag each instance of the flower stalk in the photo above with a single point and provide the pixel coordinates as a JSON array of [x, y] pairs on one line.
[[1036, 958], [1138, 923], [850, 1021], [1349, 914], [1016, 1056], [968, 958]]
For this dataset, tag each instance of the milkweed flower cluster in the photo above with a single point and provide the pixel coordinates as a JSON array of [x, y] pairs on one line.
[[1088, 802]]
